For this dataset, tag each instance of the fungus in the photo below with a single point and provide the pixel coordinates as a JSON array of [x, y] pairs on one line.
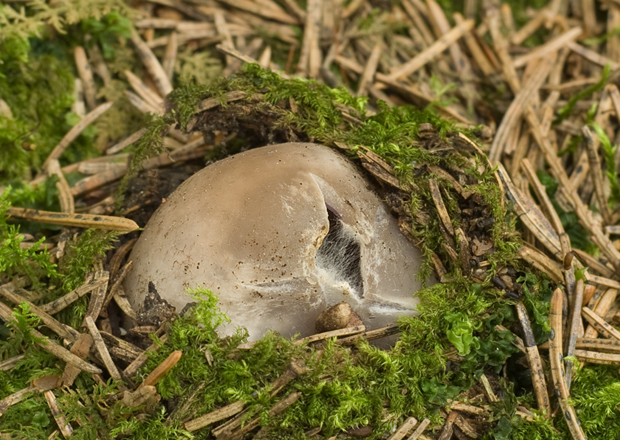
[[279, 233]]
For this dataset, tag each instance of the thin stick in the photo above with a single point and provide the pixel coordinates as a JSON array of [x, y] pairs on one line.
[[162, 369], [404, 429], [11, 362], [550, 46], [67, 204], [370, 69], [542, 262], [575, 324], [370, 335], [6, 314], [276, 409], [557, 170], [310, 57], [332, 334], [594, 264], [97, 297], [86, 75], [501, 45], [441, 26], [105, 222], [75, 132], [597, 358], [59, 304], [597, 174], [592, 56], [474, 48], [448, 427], [419, 430], [133, 368], [14, 398], [434, 50], [533, 356], [145, 92], [65, 428], [528, 29], [103, 351], [602, 281], [170, 57], [600, 325], [273, 11], [152, 65], [121, 300], [117, 283], [222, 30], [513, 115], [557, 366], [601, 309], [62, 330], [215, 416], [440, 206], [81, 348]]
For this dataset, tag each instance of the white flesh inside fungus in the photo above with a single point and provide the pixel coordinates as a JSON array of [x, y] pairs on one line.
[[279, 233]]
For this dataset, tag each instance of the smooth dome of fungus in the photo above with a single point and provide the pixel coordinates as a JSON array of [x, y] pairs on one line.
[[280, 233]]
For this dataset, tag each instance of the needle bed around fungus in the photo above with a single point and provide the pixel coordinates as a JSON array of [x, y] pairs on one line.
[[280, 233]]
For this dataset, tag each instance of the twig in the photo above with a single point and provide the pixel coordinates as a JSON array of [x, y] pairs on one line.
[[557, 367], [65, 428], [133, 368], [592, 56], [215, 416], [533, 356], [50, 346], [81, 348], [75, 132], [597, 174], [597, 358], [62, 330], [600, 325], [419, 430], [14, 398], [575, 325], [97, 297], [448, 427], [370, 69], [152, 65], [86, 75], [435, 49], [162, 369], [67, 204], [170, 56], [59, 304], [274, 410], [104, 222], [9, 363], [103, 352], [549, 47], [404, 429], [512, 118], [332, 334], [602, 307]]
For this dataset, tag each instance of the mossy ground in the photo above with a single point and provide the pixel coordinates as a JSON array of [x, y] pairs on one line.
[[344, 388]]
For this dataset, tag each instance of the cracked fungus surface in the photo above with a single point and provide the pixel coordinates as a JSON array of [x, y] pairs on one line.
[[279, 233]]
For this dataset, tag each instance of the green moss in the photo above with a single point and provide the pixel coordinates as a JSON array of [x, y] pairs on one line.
[[14, 260], [596, 395], [39, 92]]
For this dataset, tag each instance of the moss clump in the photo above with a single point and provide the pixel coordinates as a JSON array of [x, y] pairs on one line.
[[15, 261], [346, 390]]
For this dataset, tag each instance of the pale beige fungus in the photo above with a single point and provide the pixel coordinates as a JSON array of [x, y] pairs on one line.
[[250, 227]]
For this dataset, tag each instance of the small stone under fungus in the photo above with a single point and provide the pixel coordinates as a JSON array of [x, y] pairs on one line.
[[280, 234]]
